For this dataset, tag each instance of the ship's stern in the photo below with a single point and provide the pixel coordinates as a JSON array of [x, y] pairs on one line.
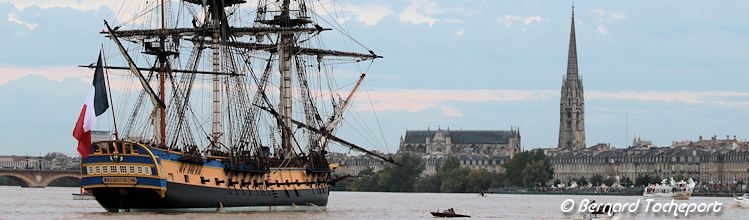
[[123, 175]]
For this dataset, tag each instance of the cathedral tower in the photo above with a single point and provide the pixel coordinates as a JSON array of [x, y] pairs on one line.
[[572, 103]]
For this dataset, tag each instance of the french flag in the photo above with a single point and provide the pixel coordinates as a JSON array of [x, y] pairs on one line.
[[95, 105]]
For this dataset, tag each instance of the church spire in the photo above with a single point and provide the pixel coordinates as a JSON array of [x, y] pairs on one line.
[[572, 103], [572, 55]]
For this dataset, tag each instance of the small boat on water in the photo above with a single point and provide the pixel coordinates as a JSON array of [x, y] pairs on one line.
[[83, 195], [448, 213], [670, 189], [742, 201]]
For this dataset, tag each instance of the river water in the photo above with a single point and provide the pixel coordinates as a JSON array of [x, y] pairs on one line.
[[57, 203]]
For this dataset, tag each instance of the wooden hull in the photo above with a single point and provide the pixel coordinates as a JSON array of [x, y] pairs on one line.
[[182, 197], [152, 179]]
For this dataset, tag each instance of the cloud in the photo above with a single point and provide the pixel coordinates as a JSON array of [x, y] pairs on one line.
[[451, 111], [420, 12], [509, 20], [416, 100], [368, 14], [459, 33], [122, 10], [604, 18], [121, 80], [31, 26], [686, 97], [76, 4], [57, 73], [527, 20]]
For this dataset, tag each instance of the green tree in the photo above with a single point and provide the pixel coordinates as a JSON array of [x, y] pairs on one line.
[[366, 180], [582, 181], [430, 183], [479, 180], [515, 169], [646, 179], [394, 178], [625, 182], [609, 181], [596, 180], [498, 180], [557, 182], [453, 177], [536, 173], [680, 177]]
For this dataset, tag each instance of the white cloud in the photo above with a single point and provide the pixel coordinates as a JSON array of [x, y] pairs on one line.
[[601, 29], [416, 100], [509, 20], [451, 111], [57, 73], [686, 97], [420, 12], [12, 18], [459, 33], [604, 18], [617, 15], [76, 4], [531, 19], [368, 14]]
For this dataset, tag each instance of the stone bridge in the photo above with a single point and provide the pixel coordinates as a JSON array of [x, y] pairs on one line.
[[39, 178]]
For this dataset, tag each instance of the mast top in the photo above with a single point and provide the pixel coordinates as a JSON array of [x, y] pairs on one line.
[[226, 3]]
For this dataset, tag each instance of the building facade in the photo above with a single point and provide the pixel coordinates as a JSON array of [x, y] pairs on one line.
[[572, 102], [475, 149], [461, 142], [706, 161], [51, 161]]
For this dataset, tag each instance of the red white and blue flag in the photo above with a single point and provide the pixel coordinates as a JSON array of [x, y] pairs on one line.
[[96, 104]]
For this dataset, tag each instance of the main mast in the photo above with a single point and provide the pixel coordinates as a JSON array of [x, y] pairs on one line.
[[216, 18], [287, 23], [284, 57]]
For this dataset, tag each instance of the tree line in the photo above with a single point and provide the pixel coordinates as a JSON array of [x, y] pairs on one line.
[[525, 169]]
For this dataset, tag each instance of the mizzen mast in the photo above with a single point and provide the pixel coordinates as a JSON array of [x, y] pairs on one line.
[[161, 128]]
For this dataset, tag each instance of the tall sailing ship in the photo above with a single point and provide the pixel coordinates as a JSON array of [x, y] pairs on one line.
[[234, 110]]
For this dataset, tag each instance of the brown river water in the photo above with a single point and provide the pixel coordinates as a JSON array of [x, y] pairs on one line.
[[57, 203]]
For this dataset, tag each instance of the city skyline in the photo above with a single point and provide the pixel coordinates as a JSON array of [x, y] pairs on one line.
[[662, 71]]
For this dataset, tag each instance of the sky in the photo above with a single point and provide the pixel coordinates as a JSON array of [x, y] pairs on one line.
[[660, 70]]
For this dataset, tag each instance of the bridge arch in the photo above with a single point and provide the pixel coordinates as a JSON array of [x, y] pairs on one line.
[[52, 178], [23, 180]]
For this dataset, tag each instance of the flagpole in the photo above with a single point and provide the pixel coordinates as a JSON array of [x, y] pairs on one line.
[[109, 87]]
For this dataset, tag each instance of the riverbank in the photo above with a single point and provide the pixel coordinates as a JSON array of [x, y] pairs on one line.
[[630, 191]]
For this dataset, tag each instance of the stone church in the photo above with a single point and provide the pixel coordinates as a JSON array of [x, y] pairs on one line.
[[461, 142], [572, 103]]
